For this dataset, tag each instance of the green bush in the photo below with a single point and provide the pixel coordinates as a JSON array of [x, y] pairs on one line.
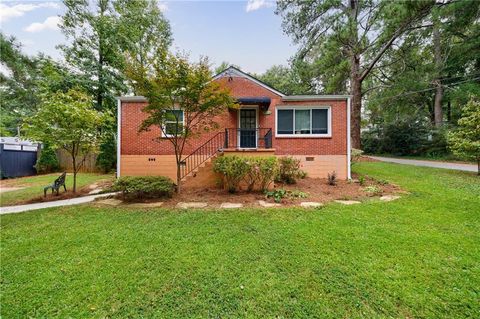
[[233, 168], [262, 172], [107, 158], [279, 194], [355, 155], [47, 162], [255, 171], [289, 170], [143, 187], [402, 137]]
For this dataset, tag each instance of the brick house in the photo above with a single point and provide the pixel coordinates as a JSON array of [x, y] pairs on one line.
[[312, 128]]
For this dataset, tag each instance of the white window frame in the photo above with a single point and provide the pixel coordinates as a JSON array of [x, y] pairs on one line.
[[304, 107], [164, 127]]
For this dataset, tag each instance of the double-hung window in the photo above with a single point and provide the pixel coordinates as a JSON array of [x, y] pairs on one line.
[[173, 123], [303, 122]]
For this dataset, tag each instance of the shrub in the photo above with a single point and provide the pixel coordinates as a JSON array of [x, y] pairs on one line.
[[279, 194], [402, 137], [267, 170], [143, 187], [355, 155], [47, 162], [107, 158], [258, 171], [233, 168], [289, 170], [361, 180], [332, 178], [373, 190]]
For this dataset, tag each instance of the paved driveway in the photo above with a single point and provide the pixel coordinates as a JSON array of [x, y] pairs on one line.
[[446, 165]]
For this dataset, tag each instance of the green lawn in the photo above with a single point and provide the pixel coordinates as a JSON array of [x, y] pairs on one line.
[[34, 186], [417, 257], [437, 158]]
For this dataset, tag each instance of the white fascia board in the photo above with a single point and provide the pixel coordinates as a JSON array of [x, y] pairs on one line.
[[132, 99], [314, 97]]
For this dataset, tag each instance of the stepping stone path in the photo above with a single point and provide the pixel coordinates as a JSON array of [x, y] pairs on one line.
[[231, 205], [389, 198], [348, 202], [266, 204], [187, 205], [145, 205], [109, 201], [310, 204]]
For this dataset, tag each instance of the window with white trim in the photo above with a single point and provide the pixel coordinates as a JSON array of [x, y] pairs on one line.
[[172, 117], [303, 121]]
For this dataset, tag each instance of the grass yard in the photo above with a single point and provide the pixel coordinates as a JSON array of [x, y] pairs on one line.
[[33, 186], [417, 257], [436, 158]]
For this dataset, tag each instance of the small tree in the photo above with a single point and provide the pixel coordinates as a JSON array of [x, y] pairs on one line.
[[465, 141], [67, 121], [182, 98]]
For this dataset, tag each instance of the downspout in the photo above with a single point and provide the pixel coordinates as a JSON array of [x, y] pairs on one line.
[[119, 134], [349, 148]]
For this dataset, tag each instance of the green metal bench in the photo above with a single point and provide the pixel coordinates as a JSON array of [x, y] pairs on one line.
[[59, 182]]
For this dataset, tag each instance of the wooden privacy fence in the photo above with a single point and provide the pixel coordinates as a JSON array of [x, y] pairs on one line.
[[65, 161]]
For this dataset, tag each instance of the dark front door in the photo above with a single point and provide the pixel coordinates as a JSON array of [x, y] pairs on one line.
[[248, 128]]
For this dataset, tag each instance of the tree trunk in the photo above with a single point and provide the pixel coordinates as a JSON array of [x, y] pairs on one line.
[[478, 166], [178, 159], [74, 164], [355, 79], [356, 111], [100, 77], [178, 177], [437, 53], [431, 112], [449, 111]]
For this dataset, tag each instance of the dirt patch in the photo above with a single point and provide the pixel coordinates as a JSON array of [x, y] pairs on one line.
[[317, 190], [4, 189]]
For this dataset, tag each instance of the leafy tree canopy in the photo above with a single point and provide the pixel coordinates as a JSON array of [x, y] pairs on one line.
[[465, 140], [68, 121], [171, 83]]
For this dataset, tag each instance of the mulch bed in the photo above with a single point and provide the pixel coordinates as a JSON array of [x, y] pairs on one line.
[[317, 190]]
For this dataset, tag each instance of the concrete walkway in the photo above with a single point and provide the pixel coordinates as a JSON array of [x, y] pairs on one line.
[[446, 165], [63, 202]]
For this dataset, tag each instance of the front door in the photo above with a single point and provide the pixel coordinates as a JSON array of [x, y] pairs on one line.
[[248, 128]]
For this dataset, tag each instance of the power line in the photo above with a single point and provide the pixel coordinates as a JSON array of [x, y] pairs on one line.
[[447, 86]]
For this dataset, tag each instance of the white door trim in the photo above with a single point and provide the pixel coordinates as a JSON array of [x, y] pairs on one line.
[[248, 107]]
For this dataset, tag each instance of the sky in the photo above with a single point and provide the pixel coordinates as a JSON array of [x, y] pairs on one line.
[[244, 33]]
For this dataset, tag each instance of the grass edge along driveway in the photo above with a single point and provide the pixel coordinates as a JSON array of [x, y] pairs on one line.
[[417, 257]]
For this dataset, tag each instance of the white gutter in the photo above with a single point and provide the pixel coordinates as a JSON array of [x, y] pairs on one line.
[[314, 97], [133, 98], [119, 134], [349, 143]]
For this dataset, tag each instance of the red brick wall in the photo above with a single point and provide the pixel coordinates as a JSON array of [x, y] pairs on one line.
[[145, 143], [335, 145]]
